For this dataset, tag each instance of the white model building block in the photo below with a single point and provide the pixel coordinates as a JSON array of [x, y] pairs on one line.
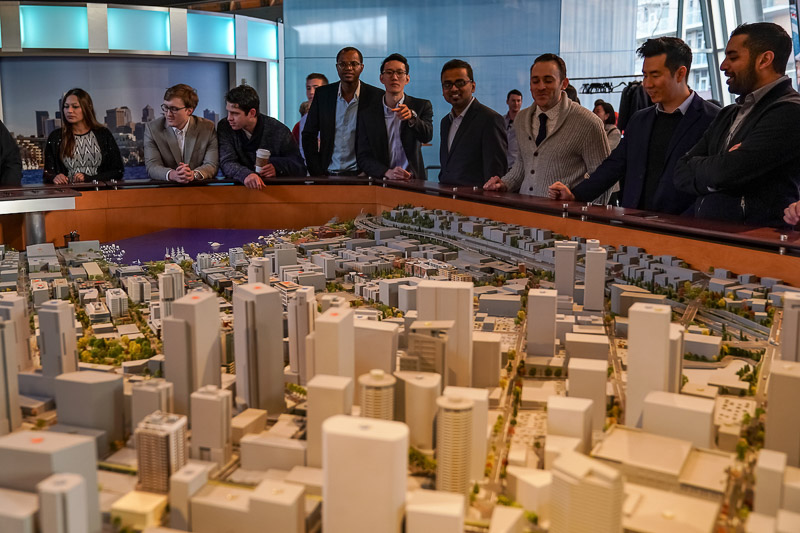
[[507, 520], [480, 423], [680, 416], [248, 422], [138, 509], [518, 454], [148, 397], [18, 511], [160, 449], [648, 356], [415, 404], [759, 523], [555, 445], [451, 300], [570, 417], [62, 504], [327, 396], [705, 345], [564, 324], [659, 511], [279, 506], [788, 522], [433, 511], [542, 305], [301, 312], [14, 309], [334, 343], [791, 489], [263, 452], [675, 362], [310, 478], [258, 343], [566, 257], [259, 271], [586, 346], [587, 379], [454, 444], [184, 484], [211, 424], [530, 488], [407, 298], [595, 279], [782, 431], [10, 412], [769, 474], [376, 394], [375, 347], [29, 457], [486, 359], [91, 400], [790, 327], [58, 345], [364, 465]]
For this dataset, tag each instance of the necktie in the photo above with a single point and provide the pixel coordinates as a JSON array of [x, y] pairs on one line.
[[542, 129], [179, 134]]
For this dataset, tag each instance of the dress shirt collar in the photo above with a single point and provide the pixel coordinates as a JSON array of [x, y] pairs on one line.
[[754, 97], [387, 111], [683, 108], [184, 129], [461, 115], [355, 97]]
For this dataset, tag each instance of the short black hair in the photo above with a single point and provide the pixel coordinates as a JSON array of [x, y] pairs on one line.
[[678, 52], [396, 57], [609, 109], [350, 49], [562, 67], [513, 91], [767, 36], [598, 102], [458, 63], [317, 76], [244, 97]]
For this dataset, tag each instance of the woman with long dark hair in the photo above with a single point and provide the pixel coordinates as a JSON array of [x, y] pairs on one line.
[[82, 149]]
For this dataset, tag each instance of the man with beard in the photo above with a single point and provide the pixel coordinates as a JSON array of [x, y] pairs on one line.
[[746, 168]]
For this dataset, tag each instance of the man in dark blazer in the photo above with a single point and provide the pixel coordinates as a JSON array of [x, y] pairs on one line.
[[179, 146], [10, 161], [391, 131], [655, 138], [746, 168], [329, 136], [473, 137]]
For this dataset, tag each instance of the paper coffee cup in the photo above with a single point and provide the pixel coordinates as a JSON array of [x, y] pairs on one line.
[[262, 158]]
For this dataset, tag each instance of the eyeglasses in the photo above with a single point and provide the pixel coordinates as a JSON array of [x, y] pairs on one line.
[[393, 73], [171, 109], [447, 85], [344, 65]]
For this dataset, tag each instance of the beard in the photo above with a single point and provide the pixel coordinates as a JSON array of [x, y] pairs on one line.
[[745, 81]]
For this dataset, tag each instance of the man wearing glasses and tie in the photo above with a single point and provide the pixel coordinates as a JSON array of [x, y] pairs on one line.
[[179, 146], [333, 117]]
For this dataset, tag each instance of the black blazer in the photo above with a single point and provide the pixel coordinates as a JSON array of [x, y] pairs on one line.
[[321, 122], [10, 161], [628, 162], [754, 183], [373, 154], [111, 166], [479, 147]]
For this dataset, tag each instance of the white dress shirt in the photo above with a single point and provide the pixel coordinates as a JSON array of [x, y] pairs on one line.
[[456, 123], [344, 142]]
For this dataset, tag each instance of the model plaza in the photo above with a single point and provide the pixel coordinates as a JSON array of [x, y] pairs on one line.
[[420, 369]]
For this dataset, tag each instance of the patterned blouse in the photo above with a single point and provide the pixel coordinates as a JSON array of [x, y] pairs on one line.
[[86, 157]]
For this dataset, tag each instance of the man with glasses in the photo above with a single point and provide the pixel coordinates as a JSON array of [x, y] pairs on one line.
[[392, 130], [473, 137], [333, 118], [180, 147]]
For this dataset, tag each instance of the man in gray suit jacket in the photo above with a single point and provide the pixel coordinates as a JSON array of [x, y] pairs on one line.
[[179, 146]]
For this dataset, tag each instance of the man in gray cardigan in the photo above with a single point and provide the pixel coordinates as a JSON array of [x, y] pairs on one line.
[[558, 139]]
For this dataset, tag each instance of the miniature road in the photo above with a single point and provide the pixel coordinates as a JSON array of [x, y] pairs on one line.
[[769, 355], [616, 362]]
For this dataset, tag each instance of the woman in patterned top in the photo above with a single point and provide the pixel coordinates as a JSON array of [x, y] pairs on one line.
[[83, 149]]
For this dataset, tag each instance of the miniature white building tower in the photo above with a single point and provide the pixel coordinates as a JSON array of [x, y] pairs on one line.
[[648, 356], [160, 449], [117, 302], [782, 431], [302, 310], [376, 390], [327, 396], [415, 404], [595, 279], [586, 495], [139, 289], [587, 379], [10, 413], [453, 444], [542, 309], [790, 328], [480, 421], [769, 473], [566, 258], [62, 504], [451, 300], [59, 346], [334, 344], [170, 287], [675, 364], [258, 271], [258, 342], [150, 396], [570, 417], [364, 468], [281, 255], [192, 346], [427, 340], [212, 439], [14, 309]]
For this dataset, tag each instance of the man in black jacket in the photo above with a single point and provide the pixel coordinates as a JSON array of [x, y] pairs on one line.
[[746, 168], [333, 118], [10, 163], [391, 131]]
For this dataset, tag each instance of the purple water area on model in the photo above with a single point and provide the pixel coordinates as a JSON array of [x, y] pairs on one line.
[[151, 247]]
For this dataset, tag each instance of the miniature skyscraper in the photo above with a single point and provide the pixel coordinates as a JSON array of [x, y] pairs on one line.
[[595, 279], [150, 396], [587, 379], [281, 255], [14, 309], [790, 331], [63, 506], [376, 390], [192, 346], [301, 310], [427, 341], [334, 345], [212, 439], [480, 421], [542, 308], [451, 300], [327, 396], [258, 338], [415, 404], [59, 346], [782, 431], [170, 287], [566, 258], [160, 449], [10, 413], [648, 356], [357, 452], [258, 271], [453, 444]]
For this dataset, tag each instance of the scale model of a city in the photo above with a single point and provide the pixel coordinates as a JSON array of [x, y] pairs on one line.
[[418, 371]]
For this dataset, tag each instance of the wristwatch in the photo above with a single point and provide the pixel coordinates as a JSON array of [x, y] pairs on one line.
[[198, 176], [413, 118]]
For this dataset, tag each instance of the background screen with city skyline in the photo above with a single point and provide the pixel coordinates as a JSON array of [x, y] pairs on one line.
[[126, 93]]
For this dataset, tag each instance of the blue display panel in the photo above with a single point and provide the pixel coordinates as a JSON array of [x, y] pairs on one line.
[[54, 27], [262, 40], [210, 34], [138, 29]]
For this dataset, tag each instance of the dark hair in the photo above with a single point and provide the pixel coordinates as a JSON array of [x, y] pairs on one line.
[[562, 67], [244, 97], [350, 49], [609, 109], [458, 63], [767, 36], [598, 102], [572, 94], [317, 76], [87, 107], [396, 57], [678, 52], [513, 91], [187, 95]]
